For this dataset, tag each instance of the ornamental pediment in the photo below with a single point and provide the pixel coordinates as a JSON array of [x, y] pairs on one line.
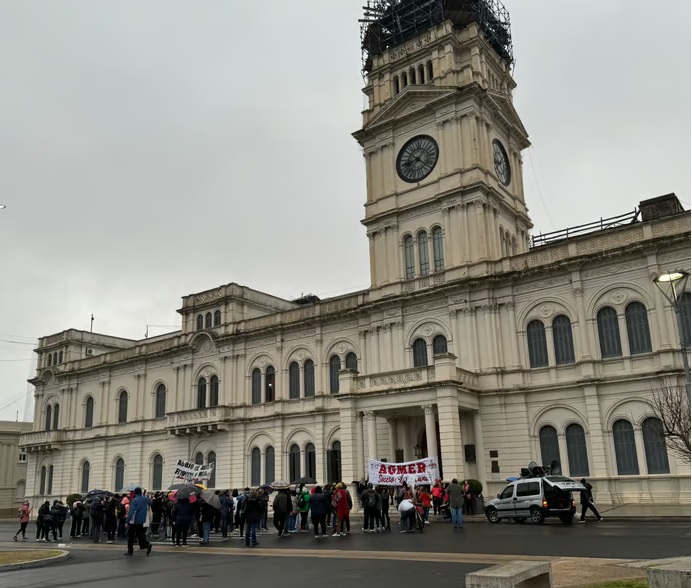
[[411, 100], [507, 110]]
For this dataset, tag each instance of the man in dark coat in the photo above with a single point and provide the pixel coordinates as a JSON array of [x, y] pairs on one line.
[[282, 508], [586, 499]]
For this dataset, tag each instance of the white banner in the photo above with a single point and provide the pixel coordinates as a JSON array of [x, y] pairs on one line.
[[186, 470], [422, 471]]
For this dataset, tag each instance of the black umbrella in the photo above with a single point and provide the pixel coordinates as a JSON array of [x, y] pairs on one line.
[[99, 492], [305, 480], [187, 491], [177, 486]]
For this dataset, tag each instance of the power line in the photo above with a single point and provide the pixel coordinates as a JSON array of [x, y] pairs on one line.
[[19, 342], [29, 359], [538, 187]]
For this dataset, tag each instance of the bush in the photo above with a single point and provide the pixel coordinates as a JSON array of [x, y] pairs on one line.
[[476, 486], [72, 498]]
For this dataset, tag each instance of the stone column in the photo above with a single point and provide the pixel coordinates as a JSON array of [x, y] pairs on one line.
[[450, 433], [466, 254], [480, 449], [376, 363], [373, 258], [398, 350], [263, 466], [360, 467], [362, 336], [372, 434], [455, 333], [350, 424], [393, 437], [480, 231], [513, 334], [564, 457], [641, 454], [319, 364], [431, 431], [447, 239]]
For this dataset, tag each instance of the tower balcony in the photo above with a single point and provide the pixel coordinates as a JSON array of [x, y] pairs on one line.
[[42, 441], [198, 421]]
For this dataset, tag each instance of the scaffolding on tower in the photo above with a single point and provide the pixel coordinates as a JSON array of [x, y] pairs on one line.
[[390, 23]]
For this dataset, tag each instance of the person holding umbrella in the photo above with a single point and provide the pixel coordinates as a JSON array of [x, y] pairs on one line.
[[210, 505], [282, 507], [303, 501]]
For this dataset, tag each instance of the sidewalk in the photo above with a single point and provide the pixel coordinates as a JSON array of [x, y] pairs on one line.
[[610, 512]]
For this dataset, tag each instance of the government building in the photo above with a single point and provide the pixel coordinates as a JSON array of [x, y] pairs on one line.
[[476, 342]]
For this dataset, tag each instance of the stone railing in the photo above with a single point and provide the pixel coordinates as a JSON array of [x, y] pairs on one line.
[[198, 420], [42, 441]]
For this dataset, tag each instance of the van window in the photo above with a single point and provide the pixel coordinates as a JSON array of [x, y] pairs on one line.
[[528, 489], [507, 492]]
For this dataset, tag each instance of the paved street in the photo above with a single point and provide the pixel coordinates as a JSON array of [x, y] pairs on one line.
[[404, 559]]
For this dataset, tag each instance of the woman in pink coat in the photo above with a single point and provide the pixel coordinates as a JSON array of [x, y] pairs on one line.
[[24, 512]]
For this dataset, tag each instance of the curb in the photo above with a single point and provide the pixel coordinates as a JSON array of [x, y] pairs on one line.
[[37, 563]]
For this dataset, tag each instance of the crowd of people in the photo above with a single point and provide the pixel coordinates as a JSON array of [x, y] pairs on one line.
[[294, 509]]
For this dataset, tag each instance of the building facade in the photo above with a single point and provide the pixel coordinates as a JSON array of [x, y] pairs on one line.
[[13, 464], [475, 343]]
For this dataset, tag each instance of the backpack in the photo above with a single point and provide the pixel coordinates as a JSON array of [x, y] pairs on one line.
[[350, 500], [19, 513], [301, 500], [121, 511], [371, 500]]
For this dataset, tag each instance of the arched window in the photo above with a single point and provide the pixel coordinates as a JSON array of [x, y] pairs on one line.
[[625, 448], [430, 71], [310, 461], [49, 489], [562, 340], [200, 322], [538, 350], [550, 450], [637, 323], [60, 357], [420, 353], [308, 378], [334, 463], [404, 80], [202, 393], [217, 318], [56, 417], [395, 85], [412, 75], [214, 391], [609, 332], [207, 320], [334, 368], [89, 413], [84, 482], [576, 450], [269, 465], [439, 345], [199, 458], [293, 463], [119, 474], [294, 380], [55, 358], [685, 317], [122, 410], [421, 74], [157, 473], [655, 447], [43, 481], [256, 386], [211, 459], [409, 263], [270, 391], [49, 417], [351, 361], [50, 359], [438, 249], [160, 401], [255, 467], [423, 258]]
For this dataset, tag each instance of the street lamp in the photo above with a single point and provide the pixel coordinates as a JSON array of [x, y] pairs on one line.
[[672, 286]]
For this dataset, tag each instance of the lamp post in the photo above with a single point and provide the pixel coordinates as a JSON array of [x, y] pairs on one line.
[[672, 286]]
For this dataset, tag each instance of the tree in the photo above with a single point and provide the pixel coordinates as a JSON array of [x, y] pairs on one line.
[[672, 407]]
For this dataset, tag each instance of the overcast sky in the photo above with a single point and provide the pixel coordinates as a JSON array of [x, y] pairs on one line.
[[151, 149]]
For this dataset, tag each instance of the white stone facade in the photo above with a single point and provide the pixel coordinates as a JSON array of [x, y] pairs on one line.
[[475, 400], [13, 465]]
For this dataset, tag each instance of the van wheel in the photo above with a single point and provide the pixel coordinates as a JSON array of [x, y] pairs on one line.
[[567, 519], [519, 520], [492, 515], [537, 515]]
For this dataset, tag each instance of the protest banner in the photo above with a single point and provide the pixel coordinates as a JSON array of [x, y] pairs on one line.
[[421, 471], [191, 472]]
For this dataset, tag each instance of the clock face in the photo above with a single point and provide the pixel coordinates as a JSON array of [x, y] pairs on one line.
[[501, 162], [417, 158]]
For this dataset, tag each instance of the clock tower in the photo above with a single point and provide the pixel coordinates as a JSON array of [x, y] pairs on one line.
[[441, 139]]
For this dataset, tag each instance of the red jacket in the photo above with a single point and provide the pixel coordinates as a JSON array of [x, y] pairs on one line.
[[340, 500]]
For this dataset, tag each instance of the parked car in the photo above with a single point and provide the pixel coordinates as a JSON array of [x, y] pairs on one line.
[[535, 498]]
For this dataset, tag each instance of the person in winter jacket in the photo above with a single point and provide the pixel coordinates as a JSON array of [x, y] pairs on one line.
[[303, 501], [208, 513], [48, 522], [384, 497], [253, 515], [282, 507], [121, 514], [340, 507], [96, 513], [182, 515], [319, 508], [111, 519], [368, 499], [24, 512], [437, 492], [586, 499], [136, 517], [226, 513], [77, 513]]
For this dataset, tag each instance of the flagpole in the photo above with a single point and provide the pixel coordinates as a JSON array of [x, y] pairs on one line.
[[91, 328]]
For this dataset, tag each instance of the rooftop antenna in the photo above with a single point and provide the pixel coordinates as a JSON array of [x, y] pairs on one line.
[[91, 328]]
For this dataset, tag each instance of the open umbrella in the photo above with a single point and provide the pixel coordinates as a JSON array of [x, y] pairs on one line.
[[201, 486], [96, 492], [187, 492], [211, 499], [130, 487], [306, 480], [280, 485], [177, 486]]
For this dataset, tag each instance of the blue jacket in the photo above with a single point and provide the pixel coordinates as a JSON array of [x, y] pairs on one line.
[[137, 514]]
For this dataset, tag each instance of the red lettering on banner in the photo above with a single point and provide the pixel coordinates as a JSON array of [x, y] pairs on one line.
[[412, 468], [402, 469], [383, 469], [421, 468], [391, 470]]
